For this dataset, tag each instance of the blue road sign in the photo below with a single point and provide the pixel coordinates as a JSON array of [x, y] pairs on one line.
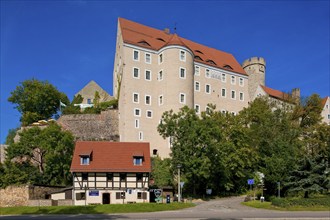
[[250, 181]]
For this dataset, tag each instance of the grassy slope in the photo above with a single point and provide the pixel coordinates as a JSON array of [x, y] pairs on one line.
[[95, 209]]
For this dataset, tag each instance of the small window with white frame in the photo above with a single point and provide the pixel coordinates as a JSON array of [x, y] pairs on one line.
[[182, 98], [197, 109], [148, 75], [241, 81], [223, 93], [140, 135], [160, 58], [148, 100], [197, 70], [197, 86], [208, 88], [207, 73], [148, 58], [136, 55], [136, 97], [136, 73], [149, 114], [223, 77], [182, 55], [233, 94], [241, 96], [136, 123], [137, 112], [233, 80], [160, 75], [182, 73], [160, 100]]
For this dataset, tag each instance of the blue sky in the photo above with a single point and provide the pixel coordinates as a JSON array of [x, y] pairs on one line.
[[69, 43]]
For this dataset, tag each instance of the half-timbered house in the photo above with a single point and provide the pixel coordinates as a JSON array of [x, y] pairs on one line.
[[110, 172]]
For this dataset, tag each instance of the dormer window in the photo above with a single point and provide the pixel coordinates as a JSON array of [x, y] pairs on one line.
[[85, 158], [138, 158]]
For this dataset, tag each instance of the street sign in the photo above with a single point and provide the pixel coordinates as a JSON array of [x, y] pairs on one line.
[[157, 192], [250, 181], [181, 184], [208, 191]]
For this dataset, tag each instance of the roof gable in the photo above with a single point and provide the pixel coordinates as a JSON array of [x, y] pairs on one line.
[[133, 32], [276, 93], [111, 156]]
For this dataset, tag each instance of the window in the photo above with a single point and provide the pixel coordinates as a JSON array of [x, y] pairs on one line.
[[233, 80], [142, 195], [80, 196], [233, 94], [241, 96], [109, 176], [120, 195], [84, 176], [136, 97], [160, 58], [197, 108], [223, 111], [327, 106], [137, 112], [197, 86], [182, 55], [223, 77], [139, 177], [328, 116], [148, 75], [182, 73], [241, 81], [197, 70], [122, 177], [223, 92], [137, 123], [136, 55], [136, 73], [84, 160], [233, 113], [154, 152], [207, 73], [182, 98], [207, 110], [148, 100], [140, 135], [208, 88], [149, 114], [148, 57], [137, 161], [160, 100], [89, 101], [160, 75]]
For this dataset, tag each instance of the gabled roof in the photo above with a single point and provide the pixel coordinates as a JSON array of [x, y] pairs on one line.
[[276, 93], [147, 37], [111, 156], [324, 101]]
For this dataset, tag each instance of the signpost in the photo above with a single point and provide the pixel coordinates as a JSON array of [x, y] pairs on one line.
[[251, 182]]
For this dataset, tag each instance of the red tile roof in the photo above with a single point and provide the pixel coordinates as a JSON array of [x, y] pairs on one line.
[[111, 156], [276, 93], [147, 37], [324, 101]]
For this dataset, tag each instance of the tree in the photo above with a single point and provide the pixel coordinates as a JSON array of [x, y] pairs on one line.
[[162, 172], [71, 108], [49, 149], [36, 100], [11, 135]]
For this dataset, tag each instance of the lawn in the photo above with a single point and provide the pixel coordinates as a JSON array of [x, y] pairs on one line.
[[268, 205], [95, 209]]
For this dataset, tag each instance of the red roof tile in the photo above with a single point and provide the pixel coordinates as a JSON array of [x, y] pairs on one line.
[[144, 36], [111, 156], [276, 93], [324, 101]]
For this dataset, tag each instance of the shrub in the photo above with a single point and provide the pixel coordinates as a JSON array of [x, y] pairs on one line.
[[309, 202]]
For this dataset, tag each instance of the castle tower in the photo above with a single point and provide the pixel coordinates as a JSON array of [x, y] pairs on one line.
[[255, 67]]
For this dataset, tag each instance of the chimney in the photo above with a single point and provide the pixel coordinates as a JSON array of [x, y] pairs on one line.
[[167, 31]]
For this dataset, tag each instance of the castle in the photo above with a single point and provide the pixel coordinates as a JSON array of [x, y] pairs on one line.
[[156, 71]]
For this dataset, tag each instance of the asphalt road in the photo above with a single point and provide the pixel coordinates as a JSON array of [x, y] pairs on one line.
[[227, 208]]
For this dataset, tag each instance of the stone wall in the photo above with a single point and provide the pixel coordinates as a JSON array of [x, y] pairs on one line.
[[93, 127], [24, 194]]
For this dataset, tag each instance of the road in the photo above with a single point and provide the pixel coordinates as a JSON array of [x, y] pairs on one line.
[[226, 208]]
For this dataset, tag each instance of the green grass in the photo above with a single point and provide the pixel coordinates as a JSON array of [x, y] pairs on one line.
[[268, 205], [94, 209]]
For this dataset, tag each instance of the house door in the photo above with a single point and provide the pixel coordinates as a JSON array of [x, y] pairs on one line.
[[106, 198]]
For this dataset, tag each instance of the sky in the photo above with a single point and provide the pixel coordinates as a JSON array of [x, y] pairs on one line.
[[69, 43]]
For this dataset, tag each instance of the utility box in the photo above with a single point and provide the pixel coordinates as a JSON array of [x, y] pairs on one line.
[[168, 199]]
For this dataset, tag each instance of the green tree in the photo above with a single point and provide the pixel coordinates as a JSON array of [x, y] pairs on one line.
[[162, 172], [49, 149], [71, 108], [36, 100], [11, 135]]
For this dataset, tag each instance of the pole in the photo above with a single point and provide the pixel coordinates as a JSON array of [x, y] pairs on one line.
[[179, 191]]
